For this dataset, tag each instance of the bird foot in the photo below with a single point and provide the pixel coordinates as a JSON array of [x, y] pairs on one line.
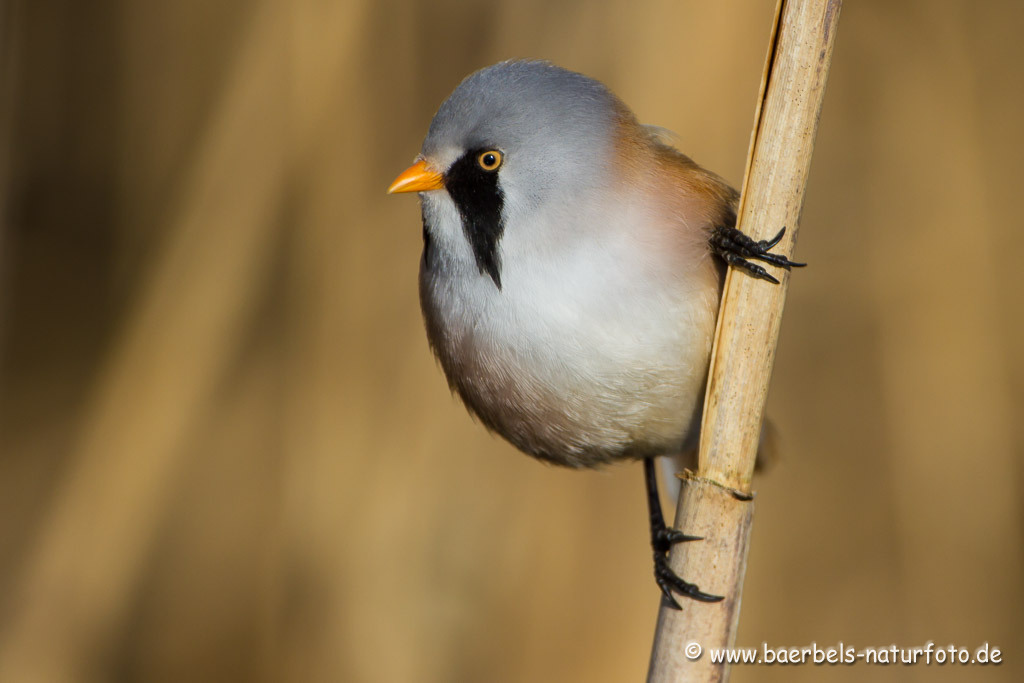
[[734, 247], [669, 582], [662, 539]]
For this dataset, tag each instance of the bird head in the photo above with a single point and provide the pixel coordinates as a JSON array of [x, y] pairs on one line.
[[510, 158]]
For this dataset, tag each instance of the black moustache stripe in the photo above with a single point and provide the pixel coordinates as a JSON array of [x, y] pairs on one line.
[[479, 199]]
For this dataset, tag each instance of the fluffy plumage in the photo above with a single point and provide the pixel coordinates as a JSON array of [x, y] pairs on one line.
[[570, 295]]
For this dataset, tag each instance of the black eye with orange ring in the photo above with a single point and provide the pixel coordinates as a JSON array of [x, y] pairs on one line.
[[489, 160]]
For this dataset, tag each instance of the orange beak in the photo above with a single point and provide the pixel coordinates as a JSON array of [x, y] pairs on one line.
[[417, 178]]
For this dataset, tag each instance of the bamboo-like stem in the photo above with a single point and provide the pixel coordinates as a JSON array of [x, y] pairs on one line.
[[716, 502]]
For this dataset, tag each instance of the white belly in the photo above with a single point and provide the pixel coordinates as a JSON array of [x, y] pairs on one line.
[[580, 364]]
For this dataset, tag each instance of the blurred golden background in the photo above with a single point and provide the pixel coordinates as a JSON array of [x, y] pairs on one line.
[[226, 453]]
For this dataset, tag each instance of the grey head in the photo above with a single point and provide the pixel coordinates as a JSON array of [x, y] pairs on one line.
[[510, 141]]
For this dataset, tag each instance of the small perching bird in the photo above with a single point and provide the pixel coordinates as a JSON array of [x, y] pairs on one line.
[[569, 279]]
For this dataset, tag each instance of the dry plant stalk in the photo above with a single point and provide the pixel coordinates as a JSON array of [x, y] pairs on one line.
[[716, 502]]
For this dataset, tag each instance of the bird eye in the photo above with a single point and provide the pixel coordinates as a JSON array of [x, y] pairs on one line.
[[489, 160]]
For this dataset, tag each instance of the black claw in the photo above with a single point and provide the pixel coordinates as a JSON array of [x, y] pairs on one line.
[[758, 271], [670, 583], [668, 599], [775, 240], [665, 538], [666, 592], [734, 247], [662, 540]]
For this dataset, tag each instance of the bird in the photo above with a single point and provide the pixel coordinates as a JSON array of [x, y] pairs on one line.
[[571, 273]]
